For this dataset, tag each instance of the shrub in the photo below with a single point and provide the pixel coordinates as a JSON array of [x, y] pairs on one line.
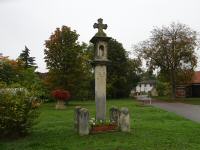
[[60, 94], [17, 115], [163, 88]]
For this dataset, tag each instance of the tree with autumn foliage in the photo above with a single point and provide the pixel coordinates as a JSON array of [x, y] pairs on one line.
[[171, 49], [64, 57]]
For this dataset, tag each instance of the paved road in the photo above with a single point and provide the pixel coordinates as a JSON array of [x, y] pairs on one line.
[[188, 111]]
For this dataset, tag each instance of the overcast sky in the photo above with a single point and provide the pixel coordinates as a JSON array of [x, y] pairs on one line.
[[31, 22]]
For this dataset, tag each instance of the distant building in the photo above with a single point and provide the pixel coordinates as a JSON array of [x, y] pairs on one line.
[[190, 90], [145, 87]]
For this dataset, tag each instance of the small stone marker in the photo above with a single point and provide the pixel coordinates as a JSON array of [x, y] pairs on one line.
[[114, 115], [83, 121], [76, 119], [124, 120]]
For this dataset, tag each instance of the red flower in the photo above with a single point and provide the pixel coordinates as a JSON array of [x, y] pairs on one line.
[[60, 94]]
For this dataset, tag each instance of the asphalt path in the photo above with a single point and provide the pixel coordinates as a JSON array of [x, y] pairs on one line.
[[188, 111]]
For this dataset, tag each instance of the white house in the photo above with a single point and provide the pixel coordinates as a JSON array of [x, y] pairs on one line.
[[145, 87]]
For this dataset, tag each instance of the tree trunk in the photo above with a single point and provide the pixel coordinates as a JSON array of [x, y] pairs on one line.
[[173, 84]]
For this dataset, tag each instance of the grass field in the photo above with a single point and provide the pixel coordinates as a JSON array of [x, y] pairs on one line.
[[151, 129], [194, 101]]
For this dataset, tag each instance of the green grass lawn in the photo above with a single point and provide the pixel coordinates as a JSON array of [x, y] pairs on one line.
[[194, 101], [151, 129]]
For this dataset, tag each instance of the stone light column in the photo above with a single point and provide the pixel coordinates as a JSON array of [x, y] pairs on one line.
[[100, 61]]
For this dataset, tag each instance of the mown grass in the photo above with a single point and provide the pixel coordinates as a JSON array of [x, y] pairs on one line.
[[194, 101], [151, 129]]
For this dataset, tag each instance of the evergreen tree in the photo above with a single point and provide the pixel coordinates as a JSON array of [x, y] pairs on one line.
[[25, 57]]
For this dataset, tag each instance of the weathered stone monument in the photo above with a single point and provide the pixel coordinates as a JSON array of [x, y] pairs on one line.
[[100, 41], [124, 120], [83, 121], [114, 115], [118, 118], [76, 118]]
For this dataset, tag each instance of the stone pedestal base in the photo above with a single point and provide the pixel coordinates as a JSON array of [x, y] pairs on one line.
[[120, 121], [60, 105]]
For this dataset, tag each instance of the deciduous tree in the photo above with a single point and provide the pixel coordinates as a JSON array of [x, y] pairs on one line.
[[65, 59], [170, 48]]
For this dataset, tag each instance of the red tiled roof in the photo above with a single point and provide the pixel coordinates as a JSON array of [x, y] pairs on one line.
[[196, 77]]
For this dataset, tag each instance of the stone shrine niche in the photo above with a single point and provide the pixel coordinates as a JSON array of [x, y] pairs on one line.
[[101, 51]]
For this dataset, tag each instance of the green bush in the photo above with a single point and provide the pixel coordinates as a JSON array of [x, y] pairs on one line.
[[17, 113], [163, 88]]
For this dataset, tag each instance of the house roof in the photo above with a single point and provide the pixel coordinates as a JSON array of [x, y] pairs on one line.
[[196, 77], [148, 82]]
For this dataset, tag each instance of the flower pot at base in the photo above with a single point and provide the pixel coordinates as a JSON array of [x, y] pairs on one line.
[[103, 128], [62, 96], [60, 105]]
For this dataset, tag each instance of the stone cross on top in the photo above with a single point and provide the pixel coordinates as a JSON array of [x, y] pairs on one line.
[[100, 27]]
